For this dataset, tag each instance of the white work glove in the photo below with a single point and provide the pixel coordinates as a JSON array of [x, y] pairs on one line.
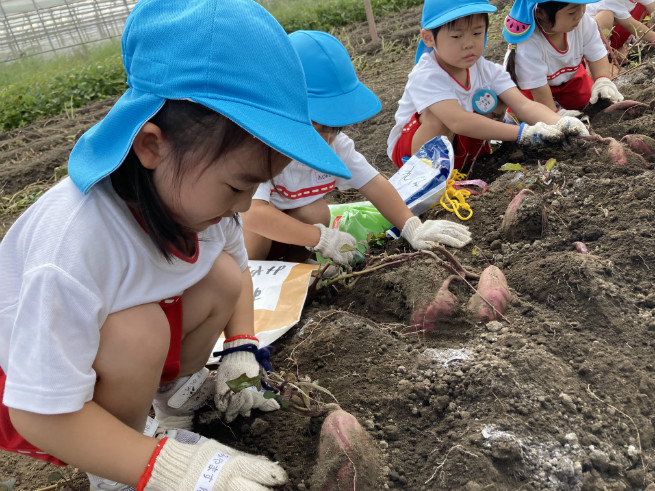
[[428, 234], [572, 126], [232, 366], [209, 465], [604, 88], [331, 242], [538, 134], [570, 112]]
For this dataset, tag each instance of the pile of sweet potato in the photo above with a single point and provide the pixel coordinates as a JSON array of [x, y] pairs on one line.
[[488, 303]]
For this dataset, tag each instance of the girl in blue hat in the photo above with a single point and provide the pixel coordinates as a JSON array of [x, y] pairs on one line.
[[560, 60], [289, 215], [452, 91], [119, 280]]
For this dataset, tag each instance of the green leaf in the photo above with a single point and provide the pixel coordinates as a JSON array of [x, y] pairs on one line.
[[8, 485], [55, 476], [511, 166], [347, 248], [269, 394], [550, 163], [243, 382]]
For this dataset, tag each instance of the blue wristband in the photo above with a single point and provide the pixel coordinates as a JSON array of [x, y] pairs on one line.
[[518, 138]]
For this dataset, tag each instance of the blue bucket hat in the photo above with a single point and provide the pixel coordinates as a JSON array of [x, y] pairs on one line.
[[209, 52], [519, 24], [336, 96], [439, 12]]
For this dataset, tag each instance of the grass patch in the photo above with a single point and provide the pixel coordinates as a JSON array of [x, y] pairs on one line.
[[41, 86], [38, 87]]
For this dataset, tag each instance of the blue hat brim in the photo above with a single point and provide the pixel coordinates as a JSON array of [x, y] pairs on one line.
[[344, 109], [102, 149], [456, 13], [522, 13]]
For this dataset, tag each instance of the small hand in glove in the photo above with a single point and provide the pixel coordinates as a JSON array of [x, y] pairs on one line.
[[232, 366], [206, 464], [572, 126], [331, 242], [427, 234], [538, 134], [570, 112], [604, 88]]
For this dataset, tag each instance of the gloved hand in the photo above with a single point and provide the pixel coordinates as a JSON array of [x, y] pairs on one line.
[[570, 112], [232, 366], [207, 464], [331, 242], [604, 88], [538, 134], [427, 234], [572, 126]]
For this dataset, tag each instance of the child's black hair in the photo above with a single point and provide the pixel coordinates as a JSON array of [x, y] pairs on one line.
[[549, 9], [468, 20], [190, 129]]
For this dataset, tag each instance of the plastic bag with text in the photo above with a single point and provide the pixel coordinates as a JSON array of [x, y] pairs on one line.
[[279, 291], [422, 180]]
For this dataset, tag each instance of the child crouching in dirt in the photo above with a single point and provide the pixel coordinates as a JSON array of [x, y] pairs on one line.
[[288, 217], [451, 80], [121, 278], [623, 18], [548, 61]]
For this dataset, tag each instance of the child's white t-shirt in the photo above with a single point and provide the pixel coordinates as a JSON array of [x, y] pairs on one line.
[[67, 263], [538, 62], [429, 83], [620, 8], [299, 185]]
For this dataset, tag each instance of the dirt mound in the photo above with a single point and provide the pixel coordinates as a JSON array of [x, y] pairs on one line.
[[560, 394]]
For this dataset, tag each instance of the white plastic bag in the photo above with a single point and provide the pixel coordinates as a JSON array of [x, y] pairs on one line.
[[422, 180]]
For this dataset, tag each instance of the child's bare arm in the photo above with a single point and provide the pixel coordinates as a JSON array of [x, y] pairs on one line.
[[74, 438], [242, 320], [633, 26], [386, 199], [600, 68], [266, 220], [544, 95], [529, 111], [471, 124]]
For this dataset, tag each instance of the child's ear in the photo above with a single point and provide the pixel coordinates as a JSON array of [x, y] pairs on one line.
[[541, 17], [148, 145], [428, 38]]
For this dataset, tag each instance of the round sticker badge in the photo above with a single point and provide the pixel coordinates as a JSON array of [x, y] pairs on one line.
[[484, 101]]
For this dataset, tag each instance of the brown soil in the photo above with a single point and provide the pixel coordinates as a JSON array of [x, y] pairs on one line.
[[560, 394]]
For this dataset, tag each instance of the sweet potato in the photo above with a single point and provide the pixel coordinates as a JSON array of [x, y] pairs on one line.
[[631, 109], [347, 456], [510, 218], [641, 144], [525, 217], [623, 106], [490, 301], [441, 307], [581, 247], [616, 152]]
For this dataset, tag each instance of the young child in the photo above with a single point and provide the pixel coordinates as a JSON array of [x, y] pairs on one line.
[[623, 18], [124, 275], [548, 61], [451, 79], [288, 215]]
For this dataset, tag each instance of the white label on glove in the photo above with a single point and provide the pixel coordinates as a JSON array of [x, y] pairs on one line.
[[151, 427], [211, 471]]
